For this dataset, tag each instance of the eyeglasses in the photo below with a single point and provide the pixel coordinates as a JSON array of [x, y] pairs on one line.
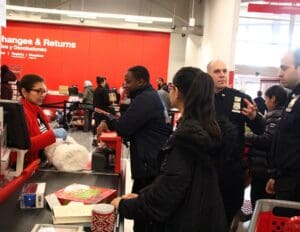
[[40, 91]]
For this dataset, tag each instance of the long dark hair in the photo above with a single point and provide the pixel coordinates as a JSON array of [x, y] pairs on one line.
[[197, 90]]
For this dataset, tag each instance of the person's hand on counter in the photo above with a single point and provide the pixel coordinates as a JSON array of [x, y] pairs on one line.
[[115, 202], [103, 127], [130, 196]]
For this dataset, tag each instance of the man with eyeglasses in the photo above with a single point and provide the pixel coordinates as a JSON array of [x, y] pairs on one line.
[[285, 153], [237, 108]]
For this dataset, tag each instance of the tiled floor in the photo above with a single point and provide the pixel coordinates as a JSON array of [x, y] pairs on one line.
[[85, 138]]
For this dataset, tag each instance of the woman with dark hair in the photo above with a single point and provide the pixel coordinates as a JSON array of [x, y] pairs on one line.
[[185, 196], [33, 91], [100, 101], [275, 97]]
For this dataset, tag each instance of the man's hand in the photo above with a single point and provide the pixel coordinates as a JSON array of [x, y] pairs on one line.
[[115, 202], [130, 196], [250, 110], [270, 186], [102, 128]]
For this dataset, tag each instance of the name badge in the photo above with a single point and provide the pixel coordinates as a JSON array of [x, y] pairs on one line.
[[236, 107], [291, 104], [237, 99]]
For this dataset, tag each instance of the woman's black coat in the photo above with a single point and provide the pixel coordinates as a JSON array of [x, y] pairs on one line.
[[185, 196]]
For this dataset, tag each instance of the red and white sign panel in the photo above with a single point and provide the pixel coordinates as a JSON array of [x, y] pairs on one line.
[[67, 55]]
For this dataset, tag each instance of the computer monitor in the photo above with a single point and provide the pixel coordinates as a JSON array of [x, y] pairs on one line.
[[16, 126]]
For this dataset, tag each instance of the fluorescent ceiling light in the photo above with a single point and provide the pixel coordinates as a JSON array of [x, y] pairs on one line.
[[135, 20], [86, 14]]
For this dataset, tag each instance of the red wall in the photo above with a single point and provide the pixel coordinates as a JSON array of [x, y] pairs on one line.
[[106, 52]]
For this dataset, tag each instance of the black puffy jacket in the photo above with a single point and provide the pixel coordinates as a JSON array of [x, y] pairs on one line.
[[185, 196], [261, 144]]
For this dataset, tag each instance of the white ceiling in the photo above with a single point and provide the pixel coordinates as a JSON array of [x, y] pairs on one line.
[[179, 10]]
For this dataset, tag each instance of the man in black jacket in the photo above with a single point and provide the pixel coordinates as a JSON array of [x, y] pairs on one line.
[[285, 153], [260, 103], [236, 107], [144, 125]]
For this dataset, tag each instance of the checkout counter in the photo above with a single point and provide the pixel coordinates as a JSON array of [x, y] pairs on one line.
[[15, 219]]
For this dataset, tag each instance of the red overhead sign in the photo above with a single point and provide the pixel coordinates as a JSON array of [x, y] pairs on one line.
[[66, 55], [283, 1], [274, 9]]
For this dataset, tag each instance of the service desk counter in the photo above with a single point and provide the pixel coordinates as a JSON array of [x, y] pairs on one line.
[[52, 97], [14, 219]]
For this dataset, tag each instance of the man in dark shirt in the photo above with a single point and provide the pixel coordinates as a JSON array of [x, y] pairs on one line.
[[285, 153], [144, 126], [237, 107], [260, 103]]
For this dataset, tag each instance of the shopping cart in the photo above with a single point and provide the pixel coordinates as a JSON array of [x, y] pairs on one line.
[[264, 220]]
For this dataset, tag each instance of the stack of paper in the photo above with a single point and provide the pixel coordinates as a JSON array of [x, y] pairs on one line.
[[56, 228], [72, 213]]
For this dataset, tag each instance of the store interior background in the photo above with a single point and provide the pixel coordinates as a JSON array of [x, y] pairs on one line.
[[250, 43]]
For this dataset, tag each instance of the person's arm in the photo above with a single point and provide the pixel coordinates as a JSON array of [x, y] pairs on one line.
[[41, 141], [259, 141], [160, 199], [257, 125], [140, 111], [263, 141], [254, 120]]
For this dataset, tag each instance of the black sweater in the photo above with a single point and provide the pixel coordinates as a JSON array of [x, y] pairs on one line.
[[285, 153]]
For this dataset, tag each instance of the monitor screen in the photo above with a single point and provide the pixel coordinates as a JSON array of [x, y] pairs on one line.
[[16, 126]]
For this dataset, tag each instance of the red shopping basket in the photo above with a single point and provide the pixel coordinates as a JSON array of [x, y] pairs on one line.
[[293, 225], [263, 219]]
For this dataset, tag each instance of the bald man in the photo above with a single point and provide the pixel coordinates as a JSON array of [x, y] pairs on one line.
[[237, 107]]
